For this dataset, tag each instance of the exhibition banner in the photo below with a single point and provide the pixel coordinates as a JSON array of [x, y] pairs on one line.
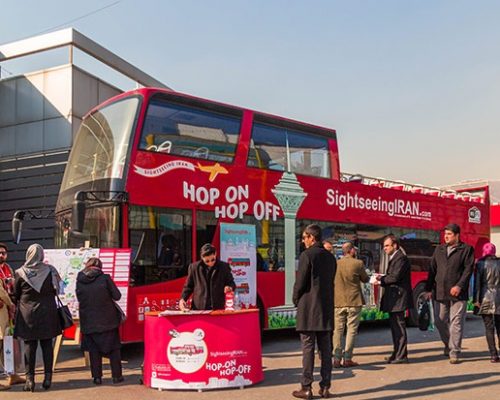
[[239, 250]]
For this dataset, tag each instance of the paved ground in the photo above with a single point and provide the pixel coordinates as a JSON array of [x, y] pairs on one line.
[[429, 375]]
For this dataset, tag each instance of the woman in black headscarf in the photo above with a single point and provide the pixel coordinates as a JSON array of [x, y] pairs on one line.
[[36, 285], [99, 319]]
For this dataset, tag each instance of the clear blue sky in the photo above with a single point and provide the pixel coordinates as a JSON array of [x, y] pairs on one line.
[[412, 87]]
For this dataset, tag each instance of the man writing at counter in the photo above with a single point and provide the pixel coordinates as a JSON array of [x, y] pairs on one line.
[[208, 280]]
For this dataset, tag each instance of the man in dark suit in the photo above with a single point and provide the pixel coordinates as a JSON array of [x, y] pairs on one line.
[[208, 280], [313, 296], [451, 269], [397, 297]]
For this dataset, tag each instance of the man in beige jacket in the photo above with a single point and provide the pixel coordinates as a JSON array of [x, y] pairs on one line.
[[348, 304]]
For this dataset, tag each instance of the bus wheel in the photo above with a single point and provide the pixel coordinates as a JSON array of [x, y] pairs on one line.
[[418, 299]]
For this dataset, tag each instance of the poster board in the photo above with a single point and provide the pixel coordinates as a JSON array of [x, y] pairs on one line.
[[239, 250], [69, 262]]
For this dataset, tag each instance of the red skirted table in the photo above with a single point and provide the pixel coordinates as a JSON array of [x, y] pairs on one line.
[[202, 350]]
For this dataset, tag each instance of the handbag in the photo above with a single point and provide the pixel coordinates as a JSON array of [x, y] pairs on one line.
[[121, 314], [8, 351], [64, 314], [424, 316]]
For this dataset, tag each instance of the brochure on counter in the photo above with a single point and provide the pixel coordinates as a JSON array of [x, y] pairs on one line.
[[178, 312]]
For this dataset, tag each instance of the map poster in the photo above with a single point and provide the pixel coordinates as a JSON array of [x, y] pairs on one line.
[[69, 262]]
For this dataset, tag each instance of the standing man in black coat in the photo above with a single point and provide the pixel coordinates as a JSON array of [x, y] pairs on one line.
[[313, 297], [451, 268], [397, 297], [208, 280]]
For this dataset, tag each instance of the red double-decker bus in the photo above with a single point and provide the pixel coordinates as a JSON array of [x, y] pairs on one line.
[[158, 171]]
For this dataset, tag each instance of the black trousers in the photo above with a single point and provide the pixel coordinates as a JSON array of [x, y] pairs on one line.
[[492, 322], [30, 355], [115, 362], [399, 336], [324, 340]]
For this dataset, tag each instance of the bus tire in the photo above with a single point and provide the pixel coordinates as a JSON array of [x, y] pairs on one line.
[[418, 298]]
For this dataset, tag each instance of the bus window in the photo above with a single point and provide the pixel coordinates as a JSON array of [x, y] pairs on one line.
[[190, 132], [308, 154], [206, 228], [160, 240], [102, 229], [101, 145]]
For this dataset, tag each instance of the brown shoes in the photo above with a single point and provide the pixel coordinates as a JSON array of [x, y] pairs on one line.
[[304, 393], [350, 364], [16, 380], [324, 393], [345, 364]]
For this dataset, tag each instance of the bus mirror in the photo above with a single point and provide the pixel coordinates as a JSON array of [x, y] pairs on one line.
[[17, 226], [78, 214]]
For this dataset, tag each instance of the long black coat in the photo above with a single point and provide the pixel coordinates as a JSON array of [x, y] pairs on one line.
[[96, 294], [397, 295], [313, 289], [197, 285], [487, 285], [448, 271], [36, 313]]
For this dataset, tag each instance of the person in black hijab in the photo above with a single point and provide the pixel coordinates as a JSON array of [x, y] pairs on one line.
[[99, 319], [37, 320]]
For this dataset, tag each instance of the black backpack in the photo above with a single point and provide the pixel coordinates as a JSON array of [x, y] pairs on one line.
[[424, 316]]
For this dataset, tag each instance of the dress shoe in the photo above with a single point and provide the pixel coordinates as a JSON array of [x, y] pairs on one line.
[[446, 351], [399, 361], [350, 364], [389, 359], [47, 380], [324, 393], [495, 359], [97, 381], [304, 393], [454, 360], [337, 364], [15, 379], [4, 387], [118, 379]]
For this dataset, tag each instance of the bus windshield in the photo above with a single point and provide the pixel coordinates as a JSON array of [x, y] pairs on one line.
[[102, 229], [101, 144]]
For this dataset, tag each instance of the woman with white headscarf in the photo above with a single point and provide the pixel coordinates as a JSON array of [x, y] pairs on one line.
[[36, 285]]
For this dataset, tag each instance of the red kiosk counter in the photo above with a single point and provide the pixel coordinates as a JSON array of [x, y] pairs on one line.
[[202, 349]]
